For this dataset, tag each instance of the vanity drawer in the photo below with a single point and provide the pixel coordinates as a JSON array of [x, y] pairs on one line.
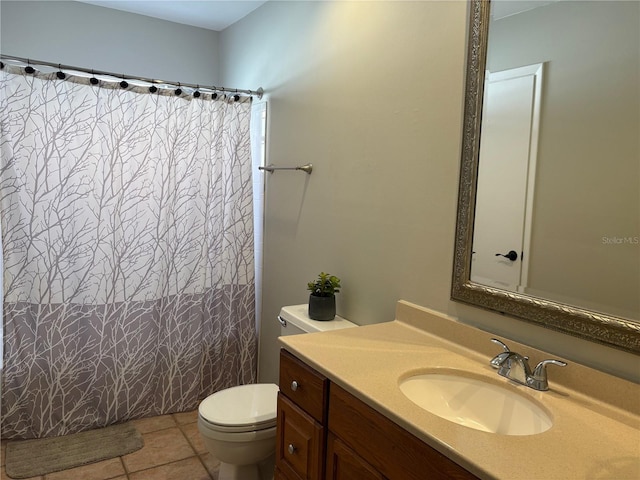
[[300, 442], [302, 384]]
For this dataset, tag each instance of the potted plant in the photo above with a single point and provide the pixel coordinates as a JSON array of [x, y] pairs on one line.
[[322, 300]]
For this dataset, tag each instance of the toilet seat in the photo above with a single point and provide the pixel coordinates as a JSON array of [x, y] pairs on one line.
[[245, 408]]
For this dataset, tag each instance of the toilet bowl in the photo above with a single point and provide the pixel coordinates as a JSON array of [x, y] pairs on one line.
[[238, 424], [238, 427]]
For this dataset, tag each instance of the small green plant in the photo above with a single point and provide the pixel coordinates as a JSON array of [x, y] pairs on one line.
[[326, 285]]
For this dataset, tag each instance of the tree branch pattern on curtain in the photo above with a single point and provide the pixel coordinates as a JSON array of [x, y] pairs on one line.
[[127, 235]]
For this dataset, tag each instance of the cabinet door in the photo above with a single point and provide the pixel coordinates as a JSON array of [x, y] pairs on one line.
[[300, 442], [389, 448], [279, 475], [345, 464]]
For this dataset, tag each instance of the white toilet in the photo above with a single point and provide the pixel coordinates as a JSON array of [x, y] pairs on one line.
[[238, 425]]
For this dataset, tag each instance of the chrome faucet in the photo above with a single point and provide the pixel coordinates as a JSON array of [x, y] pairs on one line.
[[515, 367]]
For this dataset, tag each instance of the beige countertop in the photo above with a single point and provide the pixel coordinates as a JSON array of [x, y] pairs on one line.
[[596, 417]]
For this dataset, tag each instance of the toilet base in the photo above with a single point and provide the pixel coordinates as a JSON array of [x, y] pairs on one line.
[[237, 472], [260, 471]]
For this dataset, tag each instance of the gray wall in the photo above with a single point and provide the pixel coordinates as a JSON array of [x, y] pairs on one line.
[[371, 94], [83, 35]]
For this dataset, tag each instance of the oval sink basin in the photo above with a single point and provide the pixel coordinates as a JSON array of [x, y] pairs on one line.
[[476, 404]]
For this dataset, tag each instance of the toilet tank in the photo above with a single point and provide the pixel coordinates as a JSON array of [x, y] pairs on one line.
[[294, 320]]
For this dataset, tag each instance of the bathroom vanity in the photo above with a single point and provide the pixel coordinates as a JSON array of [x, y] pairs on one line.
[[342, 414], [326, 432]]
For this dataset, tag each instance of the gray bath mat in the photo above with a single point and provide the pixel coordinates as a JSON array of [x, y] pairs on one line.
[[30, 458]]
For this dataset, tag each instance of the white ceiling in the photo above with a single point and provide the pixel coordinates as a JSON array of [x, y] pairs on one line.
[[219, 14], [506, 8], [210, 14]]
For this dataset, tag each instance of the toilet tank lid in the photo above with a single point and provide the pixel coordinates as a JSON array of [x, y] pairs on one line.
[[242, 405], [298, 315]]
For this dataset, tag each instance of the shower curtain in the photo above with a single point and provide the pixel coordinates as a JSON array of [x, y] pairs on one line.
[[127, 234]]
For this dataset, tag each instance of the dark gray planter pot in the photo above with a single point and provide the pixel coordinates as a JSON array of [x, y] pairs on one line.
[[322, 308]]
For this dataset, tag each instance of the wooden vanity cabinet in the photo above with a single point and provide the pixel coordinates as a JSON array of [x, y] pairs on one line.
[[302, 416], [345, 439]]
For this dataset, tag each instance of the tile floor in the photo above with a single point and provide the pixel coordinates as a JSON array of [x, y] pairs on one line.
[[172, 450]]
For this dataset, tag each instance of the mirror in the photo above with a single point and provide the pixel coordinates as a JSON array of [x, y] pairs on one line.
[[573, 67]]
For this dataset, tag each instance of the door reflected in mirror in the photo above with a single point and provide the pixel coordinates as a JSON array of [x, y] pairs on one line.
[[506, 178]]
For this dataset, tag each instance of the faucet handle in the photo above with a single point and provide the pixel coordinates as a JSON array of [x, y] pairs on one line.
[[541, 367], [495, 340], [539, 376], [501, 357]]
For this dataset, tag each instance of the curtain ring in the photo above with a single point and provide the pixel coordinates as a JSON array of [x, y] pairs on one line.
[[196, 94], [124, 83], [60, 74], [29, 69], [178, 90], [93, 80]]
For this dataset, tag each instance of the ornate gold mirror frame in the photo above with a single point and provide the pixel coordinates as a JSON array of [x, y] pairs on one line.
[[598, 327]]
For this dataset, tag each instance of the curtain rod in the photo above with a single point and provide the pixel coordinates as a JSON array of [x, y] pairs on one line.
[[259, 92]]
